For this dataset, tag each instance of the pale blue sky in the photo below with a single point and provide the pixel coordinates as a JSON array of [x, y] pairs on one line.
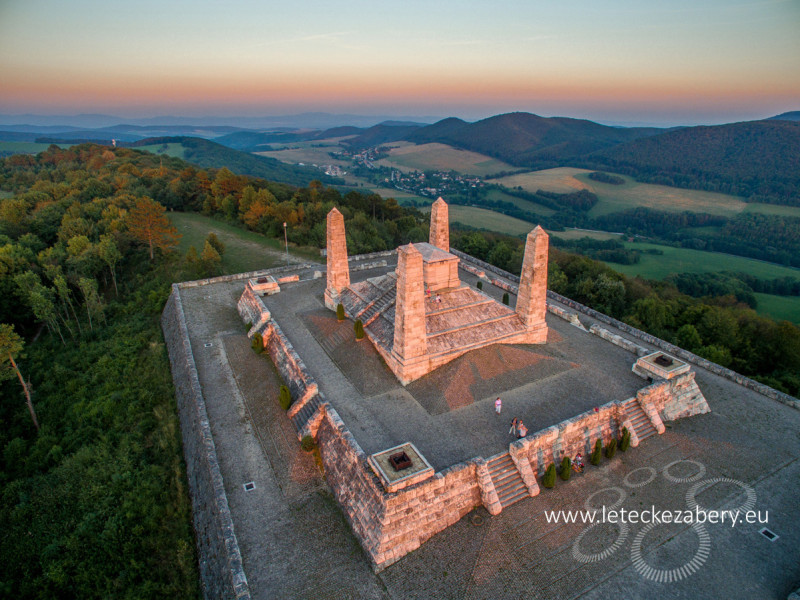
[[616, 60]]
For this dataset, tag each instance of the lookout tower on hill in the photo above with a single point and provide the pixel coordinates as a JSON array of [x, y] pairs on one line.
[[422, 316]]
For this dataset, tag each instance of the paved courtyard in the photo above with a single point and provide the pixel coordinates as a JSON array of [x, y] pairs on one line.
[[295, 542]]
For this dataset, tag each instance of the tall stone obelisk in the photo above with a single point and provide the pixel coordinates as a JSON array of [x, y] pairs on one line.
[[532, 297], [338, 274], [409, 316], [440, 225]]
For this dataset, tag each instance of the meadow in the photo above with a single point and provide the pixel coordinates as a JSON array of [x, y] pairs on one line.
[[405, 156], [576, 234], [539, 209], [481, 218], [244, 250], [616, 198], [308, 153], [780, 308]]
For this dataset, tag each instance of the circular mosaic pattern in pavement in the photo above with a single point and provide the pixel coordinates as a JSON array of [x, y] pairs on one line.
[[701, 470], [652, 475], [580, 556], [749, 503], [678, 573], [622, 495]]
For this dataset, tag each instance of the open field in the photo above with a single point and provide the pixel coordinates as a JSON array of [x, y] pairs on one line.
[[244, 250], [173, 149], [576, 234], [413, 157], [501, 196], [561, 180], [780, 308], [308, 153], [615, 198], [684, 260], [482, 218]]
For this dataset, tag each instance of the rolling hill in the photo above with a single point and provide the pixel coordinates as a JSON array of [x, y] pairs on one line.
[[759, 160], [527, 140], [205, 153]]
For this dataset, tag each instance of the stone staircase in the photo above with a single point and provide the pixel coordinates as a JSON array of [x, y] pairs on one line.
[[506, 479], [377, 306], [304, 414], [641, 422]]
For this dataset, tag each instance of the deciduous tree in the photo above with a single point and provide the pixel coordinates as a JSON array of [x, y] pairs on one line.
[[148, 223], [11, 346]]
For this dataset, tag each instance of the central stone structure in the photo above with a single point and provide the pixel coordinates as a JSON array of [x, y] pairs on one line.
[[422, 316]]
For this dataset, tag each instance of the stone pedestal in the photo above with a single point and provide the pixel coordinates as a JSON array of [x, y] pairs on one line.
[[338, 274], [532, 297]]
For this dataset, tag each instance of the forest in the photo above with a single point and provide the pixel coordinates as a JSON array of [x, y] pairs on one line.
[[94, 502], [94, 498]]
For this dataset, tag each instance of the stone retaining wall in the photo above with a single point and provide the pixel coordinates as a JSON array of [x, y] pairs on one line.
[[289, 364], [390, 525], [574, 435], [220, 562]]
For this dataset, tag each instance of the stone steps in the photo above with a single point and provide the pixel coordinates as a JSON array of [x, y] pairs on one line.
[[301, 418], [640, 421], [333, 341], [506, 479], [375, 308]]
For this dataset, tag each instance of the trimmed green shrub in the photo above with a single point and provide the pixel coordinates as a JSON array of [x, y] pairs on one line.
[[611, 449], [340, 312], [358, 327], [625, 442], [257, 343], [248, 326], [597, 453], [505, 298], [480, 285], [285, 398], [549, 479], [307, 443], [566, 469]]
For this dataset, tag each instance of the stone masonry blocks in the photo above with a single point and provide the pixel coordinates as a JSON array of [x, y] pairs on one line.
[[532, 297], [338, 272], [440, 225], [409, 321]]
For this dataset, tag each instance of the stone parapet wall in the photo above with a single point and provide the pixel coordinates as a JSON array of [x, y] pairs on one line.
[[618, 340], [641, 335], [248, 275], [289, 364], [680, 352], [220, 561], [252, 309]]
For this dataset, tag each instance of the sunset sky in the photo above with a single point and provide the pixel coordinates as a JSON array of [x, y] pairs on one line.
[[618, 61]]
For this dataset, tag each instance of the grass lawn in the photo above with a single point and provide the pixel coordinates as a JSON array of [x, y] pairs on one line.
[[244, 250], [780, 308], [684, 260], [413, 157], [482, 218]]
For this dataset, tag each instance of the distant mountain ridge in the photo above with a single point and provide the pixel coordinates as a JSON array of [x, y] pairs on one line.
[[787, 116], [528, 140]]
